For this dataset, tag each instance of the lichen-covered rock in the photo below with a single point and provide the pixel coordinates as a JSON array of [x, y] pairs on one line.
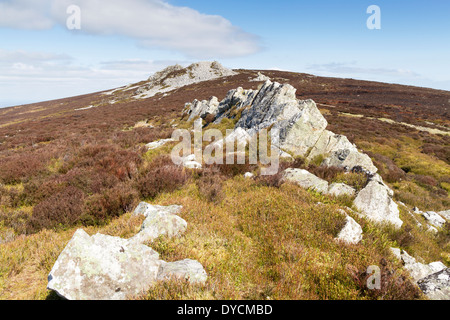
[[201, 108], [190, 270], [146, 209], [434, 219], [445, 215], [305, 179], [157, 144], [103, 268], [300, 126], [437, 285], [376, 203], [338, 151], [351, 233], [341, 189], [111, 268], [159, 221], [416, 269]]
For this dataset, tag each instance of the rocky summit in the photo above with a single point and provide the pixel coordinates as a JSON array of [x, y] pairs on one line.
[[174, 77]]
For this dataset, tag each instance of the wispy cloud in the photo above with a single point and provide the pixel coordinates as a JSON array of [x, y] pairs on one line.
[[351, 68], [152, 23]]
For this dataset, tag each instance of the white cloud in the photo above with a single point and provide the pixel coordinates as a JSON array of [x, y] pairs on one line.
[[153, 23]]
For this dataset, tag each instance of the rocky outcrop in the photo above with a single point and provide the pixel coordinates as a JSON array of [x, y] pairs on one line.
[[175, 77], [102, 267], [340, 152], [433, 279], [376, 203], [201, 108], [302, 132], [436, 286], [301, 126]]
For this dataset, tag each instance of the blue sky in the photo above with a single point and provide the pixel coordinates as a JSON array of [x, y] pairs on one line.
[[121, 42]]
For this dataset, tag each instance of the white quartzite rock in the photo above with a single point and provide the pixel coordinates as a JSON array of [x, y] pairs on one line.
[[111, 268], [159, 221], [305, 179], [416, 269], [186, 269], [340, 189], [157, 144], [351, 233], [174, 77], [103, 268], [434, 219], [375, 201]]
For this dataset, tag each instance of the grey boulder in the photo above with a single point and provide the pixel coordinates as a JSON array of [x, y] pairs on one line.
[[352, 232], [103, 268], [436, 286]]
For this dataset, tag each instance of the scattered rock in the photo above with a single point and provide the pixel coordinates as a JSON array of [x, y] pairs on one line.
[[341, 189], [186, 269], [157, 144], [375, 202], [436, 286], [351, 233], [445, 214], [305, 179], [248, 175], [416, 269], [434, 219], [189, 162], [159, 221], [260, 78]]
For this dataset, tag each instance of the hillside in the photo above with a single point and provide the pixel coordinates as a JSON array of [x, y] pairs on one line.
[[84, 162]]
